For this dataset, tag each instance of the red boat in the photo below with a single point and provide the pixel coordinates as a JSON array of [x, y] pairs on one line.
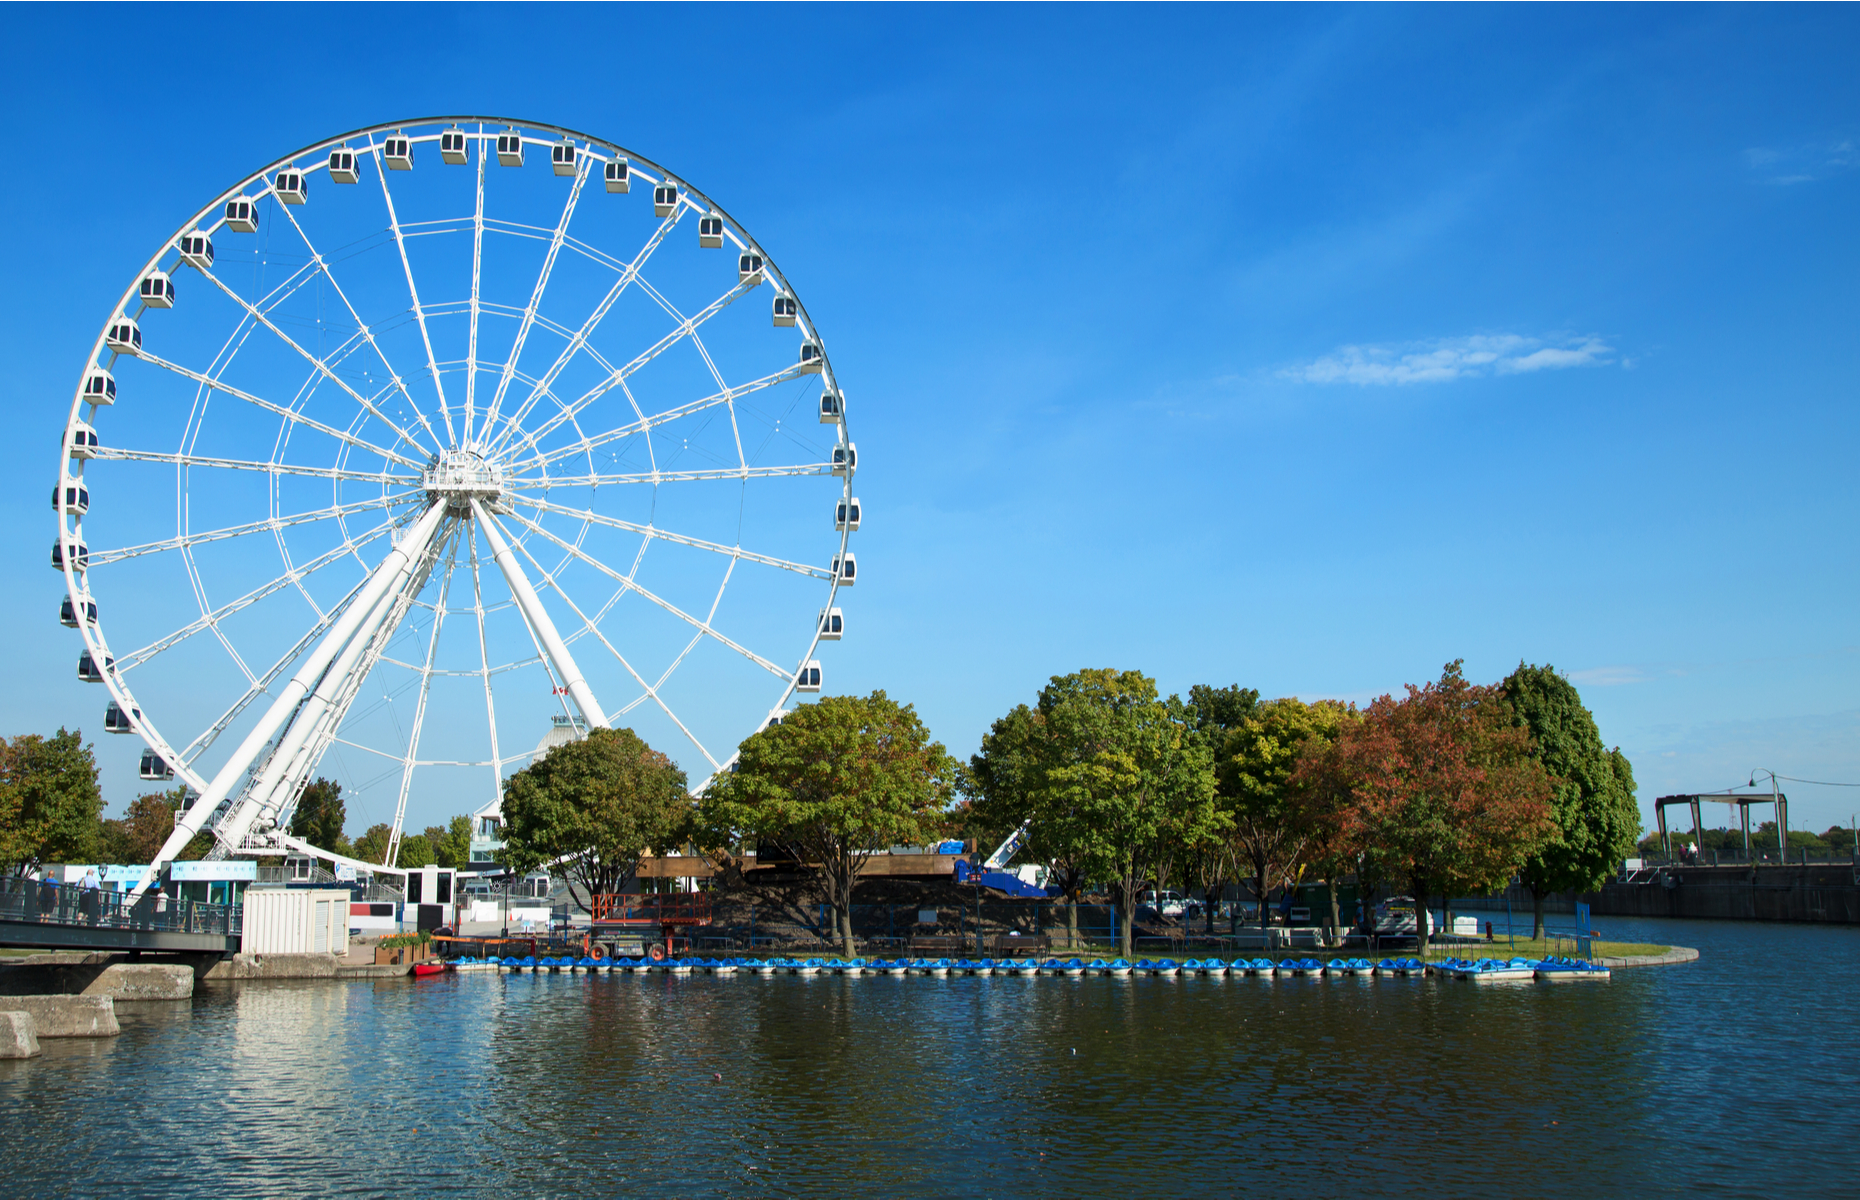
[[429, 968]]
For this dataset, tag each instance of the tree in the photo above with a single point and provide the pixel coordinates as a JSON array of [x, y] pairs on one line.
[[1217, 712], [451, 842], [837, 780], [415, 851], [1266, 824], [1322, 809], [1007, 778], [50, 804], [1446, 788], [372, 846], [1125, 764], [597, 805], [140, 834], [1593, 807], [320, 817]]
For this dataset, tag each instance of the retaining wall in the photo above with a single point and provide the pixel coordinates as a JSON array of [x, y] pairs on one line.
[[1814, 893]]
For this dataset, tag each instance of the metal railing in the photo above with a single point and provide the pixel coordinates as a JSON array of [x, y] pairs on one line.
[[48, 903]]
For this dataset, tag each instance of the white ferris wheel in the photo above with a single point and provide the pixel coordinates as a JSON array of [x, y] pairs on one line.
[[432, 431]]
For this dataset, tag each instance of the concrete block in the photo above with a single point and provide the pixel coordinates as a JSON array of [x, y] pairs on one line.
[[68, 1016], [18, 1037], [120, 980], [275, 966], [143, 981]]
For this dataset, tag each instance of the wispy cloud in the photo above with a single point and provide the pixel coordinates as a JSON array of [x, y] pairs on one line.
[[1608, 676], [1786, 165], [1447, 359]]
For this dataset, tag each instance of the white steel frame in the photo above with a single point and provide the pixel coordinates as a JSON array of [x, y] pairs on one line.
[[420, 533]]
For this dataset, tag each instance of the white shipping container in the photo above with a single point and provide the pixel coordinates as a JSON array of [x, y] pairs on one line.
[[296, 921]]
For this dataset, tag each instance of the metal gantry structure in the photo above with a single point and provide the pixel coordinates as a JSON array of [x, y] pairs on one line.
[[435, 426]]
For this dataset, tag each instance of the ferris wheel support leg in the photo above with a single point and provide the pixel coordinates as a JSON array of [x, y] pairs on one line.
[[399, 561], [538, 618], [298, 747]]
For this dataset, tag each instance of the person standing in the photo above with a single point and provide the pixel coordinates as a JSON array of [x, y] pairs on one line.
[[90, 900]]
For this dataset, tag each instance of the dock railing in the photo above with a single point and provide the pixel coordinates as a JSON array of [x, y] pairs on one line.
[[49, 903]]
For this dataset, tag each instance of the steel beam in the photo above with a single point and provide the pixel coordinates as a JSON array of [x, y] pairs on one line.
[[539, 622], [398, 562]]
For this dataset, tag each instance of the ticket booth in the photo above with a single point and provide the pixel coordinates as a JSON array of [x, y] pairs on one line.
[[430, 897]]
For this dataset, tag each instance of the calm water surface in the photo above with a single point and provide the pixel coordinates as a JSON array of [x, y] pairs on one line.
[[1733, 1076]]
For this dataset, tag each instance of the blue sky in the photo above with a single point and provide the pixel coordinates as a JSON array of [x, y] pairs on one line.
[[1306, 348]]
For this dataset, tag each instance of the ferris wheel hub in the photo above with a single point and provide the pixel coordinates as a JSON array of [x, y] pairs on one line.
[[458, 477]]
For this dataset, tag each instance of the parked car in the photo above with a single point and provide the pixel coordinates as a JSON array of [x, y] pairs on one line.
[[1169, 903]]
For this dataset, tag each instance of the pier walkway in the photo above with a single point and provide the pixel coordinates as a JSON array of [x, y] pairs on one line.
[[49, 916]]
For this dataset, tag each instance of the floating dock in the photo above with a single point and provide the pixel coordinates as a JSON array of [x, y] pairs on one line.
[[1485, 970]]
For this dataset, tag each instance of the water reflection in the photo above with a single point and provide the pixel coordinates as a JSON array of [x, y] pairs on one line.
[[541, 1084]]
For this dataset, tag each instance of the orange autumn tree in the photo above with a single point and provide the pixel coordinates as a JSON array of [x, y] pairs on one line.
[[1443, 788]]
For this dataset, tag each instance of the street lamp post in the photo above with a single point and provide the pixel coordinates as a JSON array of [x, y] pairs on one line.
[[1780, 807]]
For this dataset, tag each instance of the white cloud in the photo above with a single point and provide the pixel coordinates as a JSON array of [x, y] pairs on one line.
[[1783, 166], [1607, 676], [1447, 359]]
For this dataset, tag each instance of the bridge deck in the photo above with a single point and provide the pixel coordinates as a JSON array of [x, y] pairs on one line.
[[49, 916]]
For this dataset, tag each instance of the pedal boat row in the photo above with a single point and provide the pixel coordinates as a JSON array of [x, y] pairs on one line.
[[1556, 970]]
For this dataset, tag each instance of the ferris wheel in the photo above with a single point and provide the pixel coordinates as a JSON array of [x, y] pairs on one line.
[[431, 432]]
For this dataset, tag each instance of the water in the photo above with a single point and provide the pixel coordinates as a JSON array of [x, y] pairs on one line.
[[1733, 1076]]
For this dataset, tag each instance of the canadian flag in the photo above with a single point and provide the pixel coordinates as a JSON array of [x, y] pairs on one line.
[[558, 691]]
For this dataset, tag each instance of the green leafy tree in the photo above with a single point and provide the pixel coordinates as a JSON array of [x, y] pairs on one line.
[[320, 817], [1267, 826], [1126, 764], [1211, 864], [1595, 814], [1446, 788], [1220, 711], [50, 805], [372, 846], [451, 842], [416, 851], [1007, 779], [837, 780], [597, 805]]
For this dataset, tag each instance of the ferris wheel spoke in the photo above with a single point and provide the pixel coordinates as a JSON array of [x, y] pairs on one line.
[[484, 664], [664, 535], [477, 276], [419, 704], [240, 464], [271, 524], [413, 291], [295, 575], [627, 583], [536, 295], [728, 396], [687, 328], [321, 365], [628, 275], [595, 630], [600, 480], [289, 414], [396, 382]]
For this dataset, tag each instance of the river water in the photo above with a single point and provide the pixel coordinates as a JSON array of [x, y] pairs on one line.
[[1732, 1076]]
